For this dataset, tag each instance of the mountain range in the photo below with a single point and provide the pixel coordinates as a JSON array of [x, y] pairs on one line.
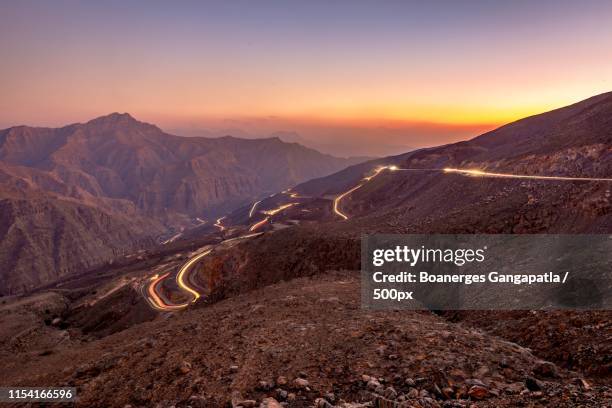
[[77, 196]]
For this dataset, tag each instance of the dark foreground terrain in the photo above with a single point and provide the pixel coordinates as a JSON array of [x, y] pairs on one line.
[[300, 343]]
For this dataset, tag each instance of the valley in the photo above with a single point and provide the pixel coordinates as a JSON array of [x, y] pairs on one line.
[[115, 185]]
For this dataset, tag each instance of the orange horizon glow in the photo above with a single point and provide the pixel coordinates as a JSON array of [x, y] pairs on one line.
[[496, 112], [403, 74], [455, 117], [356, 132]]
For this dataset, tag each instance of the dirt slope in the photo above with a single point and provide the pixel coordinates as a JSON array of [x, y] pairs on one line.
[[312, 329]]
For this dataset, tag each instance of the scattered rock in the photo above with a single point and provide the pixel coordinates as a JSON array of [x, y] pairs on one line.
[[475, 381], [322, 403], [300, 383], [478, 392], [281, 394], [331, 397], [390, 393], [582, 383], [198, 401], [533, 384], [264, 385], [546, 369], [448, 392], [246, 404], [373, 384], [185, 367], [514, 388], [270, 403]]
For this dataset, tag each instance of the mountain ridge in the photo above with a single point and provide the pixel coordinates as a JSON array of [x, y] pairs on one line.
[[118, 169]]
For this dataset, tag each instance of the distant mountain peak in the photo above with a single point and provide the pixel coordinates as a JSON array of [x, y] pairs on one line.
[[116, 119]]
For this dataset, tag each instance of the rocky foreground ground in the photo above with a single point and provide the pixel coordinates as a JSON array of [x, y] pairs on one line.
[[301, 343]]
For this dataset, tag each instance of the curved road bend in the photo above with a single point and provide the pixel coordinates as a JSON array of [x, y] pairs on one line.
[[180, 277], [464, 172], [155, 298], [158, 301], [377, 171], [218, 224]]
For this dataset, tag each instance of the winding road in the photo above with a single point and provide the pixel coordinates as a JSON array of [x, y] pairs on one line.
[[377, 171], [157, 300], [464, 172], [219, 225]]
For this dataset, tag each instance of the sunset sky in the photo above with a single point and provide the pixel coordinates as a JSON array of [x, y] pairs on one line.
[[350, 77]]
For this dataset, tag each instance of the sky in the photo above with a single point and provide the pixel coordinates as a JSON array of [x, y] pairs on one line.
[[348, 77]]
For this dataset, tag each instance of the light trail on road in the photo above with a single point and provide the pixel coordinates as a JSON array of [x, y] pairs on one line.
[[337, 200], [259, 224], [218, 224], [481, 173], [465, 172], [278, 209], [150, 291], [253, 208], [155, 300], [269, 214], [242, 237], [180, 277], [340, 197], [172, 239]]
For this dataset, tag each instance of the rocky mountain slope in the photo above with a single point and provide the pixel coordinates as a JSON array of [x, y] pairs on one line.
[[45, 239], [77, 196]]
